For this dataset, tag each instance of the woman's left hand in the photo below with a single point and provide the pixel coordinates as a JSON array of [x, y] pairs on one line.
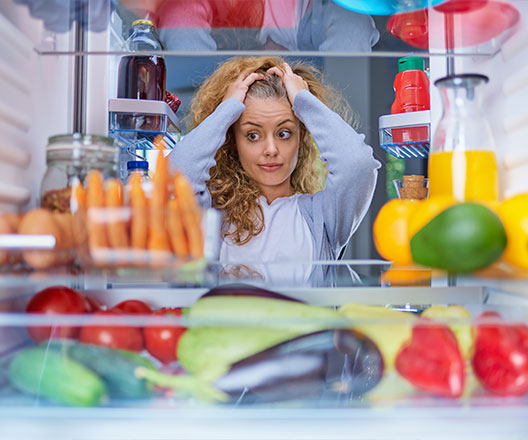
[[293, 83]]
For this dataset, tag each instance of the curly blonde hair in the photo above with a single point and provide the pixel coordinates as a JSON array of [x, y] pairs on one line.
[[232, 190]]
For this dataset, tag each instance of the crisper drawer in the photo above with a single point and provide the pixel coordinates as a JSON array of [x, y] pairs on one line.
[[239, 362]]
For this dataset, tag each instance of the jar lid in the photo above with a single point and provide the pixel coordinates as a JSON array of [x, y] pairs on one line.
[[86, 142], [142, 21], [137, 165]]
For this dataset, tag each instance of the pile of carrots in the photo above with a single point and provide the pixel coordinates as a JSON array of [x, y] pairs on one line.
[[141, 229]]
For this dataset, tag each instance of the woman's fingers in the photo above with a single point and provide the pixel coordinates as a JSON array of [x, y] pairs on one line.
[[275, 71], [252, 77], [287, 69]]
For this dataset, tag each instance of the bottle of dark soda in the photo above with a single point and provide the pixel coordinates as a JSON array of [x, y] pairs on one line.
[[142, 76]]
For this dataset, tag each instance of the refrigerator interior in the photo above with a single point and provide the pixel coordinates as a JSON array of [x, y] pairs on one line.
[[39, 74]]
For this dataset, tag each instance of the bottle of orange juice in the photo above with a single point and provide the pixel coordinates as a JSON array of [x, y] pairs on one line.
[[462, 161]]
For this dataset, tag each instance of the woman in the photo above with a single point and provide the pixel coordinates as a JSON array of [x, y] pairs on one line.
[[252, 154]]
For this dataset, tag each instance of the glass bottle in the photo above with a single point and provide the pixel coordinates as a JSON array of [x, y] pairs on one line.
[[462, 161], [142, 76], [69, 157]]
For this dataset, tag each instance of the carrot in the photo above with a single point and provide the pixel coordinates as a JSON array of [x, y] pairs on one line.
[[78, 197], [116, 227], [95, 202], [176, 231], [158, 237], [191, 216], [139, 206]]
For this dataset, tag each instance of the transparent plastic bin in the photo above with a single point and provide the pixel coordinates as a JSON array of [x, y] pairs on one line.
[[406, 135]]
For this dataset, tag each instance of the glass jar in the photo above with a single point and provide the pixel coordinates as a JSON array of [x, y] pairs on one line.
[[462, 161], [69, 157]]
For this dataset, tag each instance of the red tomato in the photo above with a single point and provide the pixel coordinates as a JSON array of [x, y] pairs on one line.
[[118, 336], [162, 342], [55, 300], [92, 305], [133, 307]]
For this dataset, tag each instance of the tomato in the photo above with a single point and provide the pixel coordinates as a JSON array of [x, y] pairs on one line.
[[133, 307], [56, 300], [118, 336], [93, 305], [162, 342]]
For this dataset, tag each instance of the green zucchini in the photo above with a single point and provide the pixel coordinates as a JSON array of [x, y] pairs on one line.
[[49, 374], [115, 367]]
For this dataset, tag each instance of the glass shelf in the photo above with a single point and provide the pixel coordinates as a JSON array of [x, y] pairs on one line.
[[275, 27]]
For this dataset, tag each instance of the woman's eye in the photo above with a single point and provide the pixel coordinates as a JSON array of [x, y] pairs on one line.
[[284, 134], [253, 137]]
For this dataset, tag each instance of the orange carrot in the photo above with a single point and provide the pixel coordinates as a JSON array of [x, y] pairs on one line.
[[176, 231], [95, 202], [116, 226], [139, 206], [158, 237], [191, 216]]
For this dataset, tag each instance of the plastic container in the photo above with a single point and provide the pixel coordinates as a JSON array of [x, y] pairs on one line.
[[411, 86], [69, 157], [140, 167], [462, 163]]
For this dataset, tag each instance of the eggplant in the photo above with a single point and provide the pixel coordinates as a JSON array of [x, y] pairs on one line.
[[363, 364], [247, 290], [300, 368]]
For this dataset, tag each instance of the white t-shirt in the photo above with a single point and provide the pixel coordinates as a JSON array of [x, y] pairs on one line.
[[284, 240]]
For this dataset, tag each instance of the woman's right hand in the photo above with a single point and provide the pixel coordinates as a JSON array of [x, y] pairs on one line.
[[239, 87]]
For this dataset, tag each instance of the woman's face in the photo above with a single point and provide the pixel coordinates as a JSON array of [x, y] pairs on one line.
[[267, 137]]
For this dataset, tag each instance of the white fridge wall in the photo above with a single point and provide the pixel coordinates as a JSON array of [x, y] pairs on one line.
[[36, 91]]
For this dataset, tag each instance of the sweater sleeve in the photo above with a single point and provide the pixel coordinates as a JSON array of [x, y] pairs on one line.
[[352, 169], [194, 154]]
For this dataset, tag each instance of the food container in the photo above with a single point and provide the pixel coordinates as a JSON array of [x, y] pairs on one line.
[[69, 157]]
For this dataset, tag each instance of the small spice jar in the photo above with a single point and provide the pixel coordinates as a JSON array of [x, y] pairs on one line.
[[69, 157], [412, 187]]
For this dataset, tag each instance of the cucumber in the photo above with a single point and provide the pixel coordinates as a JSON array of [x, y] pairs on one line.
[[48, 373], [115, 367]]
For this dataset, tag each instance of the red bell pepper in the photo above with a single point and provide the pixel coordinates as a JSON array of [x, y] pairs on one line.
[[432, 360], [500, 360]]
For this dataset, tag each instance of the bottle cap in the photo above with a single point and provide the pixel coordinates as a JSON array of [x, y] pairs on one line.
[[137, 165], [142, 21], [410, 63]]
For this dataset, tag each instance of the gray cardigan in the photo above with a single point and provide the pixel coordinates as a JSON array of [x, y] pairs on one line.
[[333, 214]]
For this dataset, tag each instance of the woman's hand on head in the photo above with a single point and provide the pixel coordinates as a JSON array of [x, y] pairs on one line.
[[239, 87], [293, 83]]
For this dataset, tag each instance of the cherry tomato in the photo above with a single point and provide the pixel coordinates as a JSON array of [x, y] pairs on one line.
[[118, 336], [56, 300], [93, 305], [133, 307], [162, 342]]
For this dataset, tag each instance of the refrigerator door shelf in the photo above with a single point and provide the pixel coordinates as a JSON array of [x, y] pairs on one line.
[[406, 135], [136, 124]]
